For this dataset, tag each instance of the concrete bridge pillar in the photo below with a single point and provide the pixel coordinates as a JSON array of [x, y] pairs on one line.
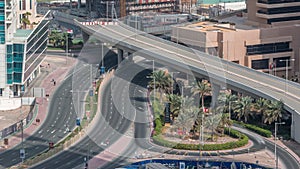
[[130, 57], [85, 37], [215, 93], [120, 56]]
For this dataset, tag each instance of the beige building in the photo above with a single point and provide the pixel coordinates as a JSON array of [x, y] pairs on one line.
[[251, 40]]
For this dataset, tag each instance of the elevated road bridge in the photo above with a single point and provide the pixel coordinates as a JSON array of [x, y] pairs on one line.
[[219, 72]]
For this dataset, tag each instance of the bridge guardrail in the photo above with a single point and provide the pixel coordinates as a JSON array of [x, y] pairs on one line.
[[224, 62]]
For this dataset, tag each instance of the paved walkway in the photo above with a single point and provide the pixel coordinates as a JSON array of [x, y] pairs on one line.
[[54, 67]]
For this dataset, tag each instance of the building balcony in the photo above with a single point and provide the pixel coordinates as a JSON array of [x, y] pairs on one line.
[[10, 5], [282, 15], [276, 3], [8, 9], [8, 20]]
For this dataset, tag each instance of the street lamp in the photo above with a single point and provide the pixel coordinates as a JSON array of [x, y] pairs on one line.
[[67, 48], [286, 71], [229, 111], [153, 77], [172, 81], [276, 156]]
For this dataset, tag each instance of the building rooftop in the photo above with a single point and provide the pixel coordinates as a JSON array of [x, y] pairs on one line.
[[210, 26], [226, 24], [23, 33], [240, 22]]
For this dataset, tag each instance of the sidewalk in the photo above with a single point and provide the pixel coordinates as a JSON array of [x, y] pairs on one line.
[[53, 67]]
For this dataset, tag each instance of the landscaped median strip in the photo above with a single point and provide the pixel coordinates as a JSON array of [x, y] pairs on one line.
[[243, 140], [71, 138]]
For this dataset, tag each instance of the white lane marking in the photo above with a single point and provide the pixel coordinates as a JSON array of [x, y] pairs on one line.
[[41, 136], [52, 131], [36, 147], [40, 131], [53, 135]]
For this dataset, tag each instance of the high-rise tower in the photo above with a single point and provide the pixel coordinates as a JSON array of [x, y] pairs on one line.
[[23, 41]]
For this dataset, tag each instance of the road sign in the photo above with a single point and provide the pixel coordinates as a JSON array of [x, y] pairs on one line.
[[78, 121], [22, 153], [102, 70], [91, 93]]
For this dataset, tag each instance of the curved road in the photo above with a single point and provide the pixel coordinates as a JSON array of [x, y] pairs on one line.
[[142, 133], [61, 114], [115, 121]]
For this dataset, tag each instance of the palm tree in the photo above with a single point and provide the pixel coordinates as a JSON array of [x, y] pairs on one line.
[[224, 100], [184, 122], [175, 102], [274, 113], [212, 122], [162, 82], [261, 106], [224, 122], [189, 108], [243, 108], [56, 38], [25, 19], [202, 88], [25, 22]]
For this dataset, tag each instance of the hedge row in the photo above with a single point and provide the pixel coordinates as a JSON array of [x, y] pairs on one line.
[[258, 130], [243, 140]]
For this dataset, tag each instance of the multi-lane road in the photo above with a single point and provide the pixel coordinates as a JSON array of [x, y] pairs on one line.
[[124, 102], [61, 114], [219, 71], [65, 106], [115, 118]]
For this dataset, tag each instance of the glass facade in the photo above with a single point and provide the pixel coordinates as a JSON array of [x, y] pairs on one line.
[[14, 59], [2, 22], [35, 49], [260, 64], [268, 48], [280, 63]]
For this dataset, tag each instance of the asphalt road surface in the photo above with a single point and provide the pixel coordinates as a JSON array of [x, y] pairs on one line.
[[61, 115], [118, 113]]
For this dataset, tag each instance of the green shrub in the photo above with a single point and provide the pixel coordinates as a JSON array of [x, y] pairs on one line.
[[256, 129], [158, 139]]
